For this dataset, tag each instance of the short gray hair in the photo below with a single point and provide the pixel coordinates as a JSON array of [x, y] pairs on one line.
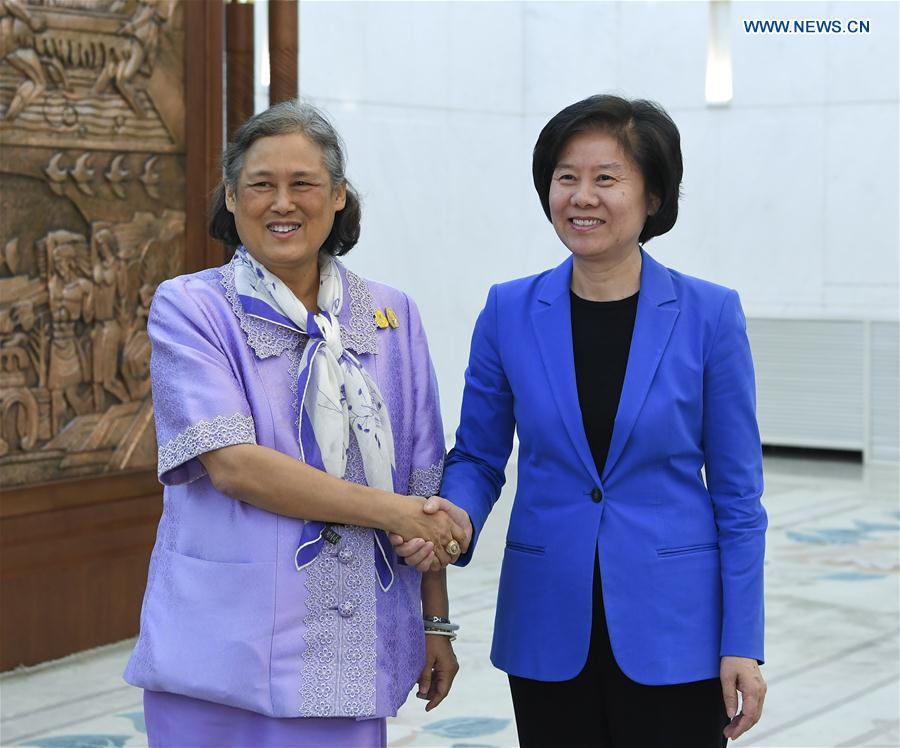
[[285, 118], [288, 117]]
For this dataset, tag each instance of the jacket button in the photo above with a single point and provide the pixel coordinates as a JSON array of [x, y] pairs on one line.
[[346, 609], [597, 495]]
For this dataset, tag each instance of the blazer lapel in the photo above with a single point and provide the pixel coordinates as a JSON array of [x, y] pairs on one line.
[[656, 315], [552, 320]]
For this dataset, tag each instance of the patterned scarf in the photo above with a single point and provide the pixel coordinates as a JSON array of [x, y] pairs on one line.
[[335, 393]]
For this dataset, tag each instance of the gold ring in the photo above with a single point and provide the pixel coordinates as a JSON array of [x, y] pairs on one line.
[[452, 548]]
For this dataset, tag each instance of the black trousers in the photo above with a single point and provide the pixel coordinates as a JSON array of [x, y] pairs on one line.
[[602, 708]]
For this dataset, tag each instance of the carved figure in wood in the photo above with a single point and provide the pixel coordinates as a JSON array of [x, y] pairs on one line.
[[18, 25], [71, 300], [106, 335], [19, 411], [117, 175], [150, 178], [56, 174], [18, 420], [142, 31], [82, 173], [31, 43]]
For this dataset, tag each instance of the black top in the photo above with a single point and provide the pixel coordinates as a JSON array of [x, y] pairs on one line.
[[601, 339]]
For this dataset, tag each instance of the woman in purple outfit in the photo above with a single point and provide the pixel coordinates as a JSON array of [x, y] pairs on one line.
[[294, 430]]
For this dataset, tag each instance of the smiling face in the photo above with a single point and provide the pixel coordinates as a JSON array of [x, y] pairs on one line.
[[598, 202], [283, 203]]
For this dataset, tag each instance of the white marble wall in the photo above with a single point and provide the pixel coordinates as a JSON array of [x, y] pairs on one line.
[[790, 192]]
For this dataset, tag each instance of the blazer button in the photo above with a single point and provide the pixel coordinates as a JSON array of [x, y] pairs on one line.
[[597, 495]]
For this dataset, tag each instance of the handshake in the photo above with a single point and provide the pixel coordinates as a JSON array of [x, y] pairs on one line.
[[432, 533]]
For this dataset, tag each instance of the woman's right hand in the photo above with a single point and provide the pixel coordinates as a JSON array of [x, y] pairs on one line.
[[436, 530], [419, 553]]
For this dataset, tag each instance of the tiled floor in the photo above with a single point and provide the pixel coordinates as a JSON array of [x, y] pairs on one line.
[[832, 636]]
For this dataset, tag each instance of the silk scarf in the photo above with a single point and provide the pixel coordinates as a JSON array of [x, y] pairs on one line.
[[335, 394]]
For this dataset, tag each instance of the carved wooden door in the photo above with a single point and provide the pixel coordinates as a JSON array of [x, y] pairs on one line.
[[104, 175], [92, 187]]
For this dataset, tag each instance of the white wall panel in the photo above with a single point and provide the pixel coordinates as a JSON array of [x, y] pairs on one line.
[[772, 69], [408, 54], [487, 54], [860, 217], [572, 50], [767, 211], [334, 49], [666, 61], [847, 79], [694, 242]]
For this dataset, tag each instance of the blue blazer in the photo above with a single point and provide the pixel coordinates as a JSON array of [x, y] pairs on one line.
[[681, 556]]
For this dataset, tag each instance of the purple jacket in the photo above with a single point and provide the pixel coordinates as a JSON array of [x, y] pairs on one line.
[[226, 615]]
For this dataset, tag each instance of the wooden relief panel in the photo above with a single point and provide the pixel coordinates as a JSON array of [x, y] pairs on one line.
[[92, 193]]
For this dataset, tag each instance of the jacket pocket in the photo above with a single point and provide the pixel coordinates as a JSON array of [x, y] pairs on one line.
[[534, 550], [686, 550], [209, 629]]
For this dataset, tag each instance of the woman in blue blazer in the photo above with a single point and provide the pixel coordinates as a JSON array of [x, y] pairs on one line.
[[630, 609]]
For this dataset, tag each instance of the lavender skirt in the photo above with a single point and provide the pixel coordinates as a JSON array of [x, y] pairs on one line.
[[180, 722]]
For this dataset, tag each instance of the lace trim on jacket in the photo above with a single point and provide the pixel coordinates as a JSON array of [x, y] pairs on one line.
[[263, 337], [205, 436], [338, 674], [359, 332], [426, 481]]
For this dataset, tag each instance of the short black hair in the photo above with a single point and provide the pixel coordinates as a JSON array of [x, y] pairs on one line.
[[646, 133]]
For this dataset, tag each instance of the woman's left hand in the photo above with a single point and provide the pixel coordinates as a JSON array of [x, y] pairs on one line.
[[440, 669], [741, 674]]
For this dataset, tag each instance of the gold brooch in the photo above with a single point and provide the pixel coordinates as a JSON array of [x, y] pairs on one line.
[[380, 319], [392, 318]]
